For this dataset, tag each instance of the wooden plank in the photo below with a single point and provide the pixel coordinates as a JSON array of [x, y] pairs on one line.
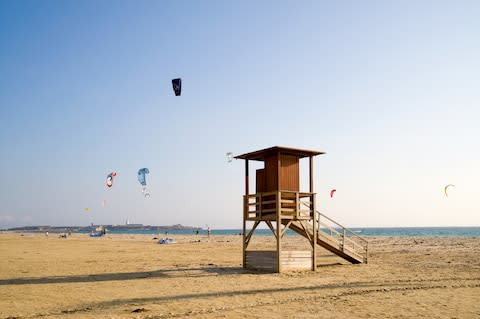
[[290, 173], [246, 177], [296, 260], [250, 234], [269, 202], [279, 237], [269, 223], [271, 172], [260, 181], [297, 205], [261, 254], [244, 232], [271, 210], [310, 162], [296, 253], [261, 260], [286, 227], [314, 223]]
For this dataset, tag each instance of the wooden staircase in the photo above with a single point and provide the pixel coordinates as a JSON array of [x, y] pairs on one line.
[[334, 237]]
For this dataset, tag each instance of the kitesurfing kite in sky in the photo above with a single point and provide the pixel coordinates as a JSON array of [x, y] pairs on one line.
[[332, 192], [143, 180], [110, 179], [229, 156], [445, 190], [177, 86]]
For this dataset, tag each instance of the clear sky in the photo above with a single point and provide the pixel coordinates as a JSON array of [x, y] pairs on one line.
[[389, 89]]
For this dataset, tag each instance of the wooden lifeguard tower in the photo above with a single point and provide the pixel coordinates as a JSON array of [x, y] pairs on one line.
[[280, 204]]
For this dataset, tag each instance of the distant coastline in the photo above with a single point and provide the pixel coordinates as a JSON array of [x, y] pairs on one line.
[[111, 228], [138, 229]]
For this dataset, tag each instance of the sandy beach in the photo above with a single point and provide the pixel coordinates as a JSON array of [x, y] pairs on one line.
[[132, 276]]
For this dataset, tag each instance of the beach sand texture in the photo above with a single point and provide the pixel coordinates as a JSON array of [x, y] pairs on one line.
[[132, 276]]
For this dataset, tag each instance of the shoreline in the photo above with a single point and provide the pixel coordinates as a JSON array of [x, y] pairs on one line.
[[266, 233]]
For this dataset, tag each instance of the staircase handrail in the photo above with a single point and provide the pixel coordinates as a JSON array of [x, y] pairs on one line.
[[352, 233], [338, 224], [352, 238]]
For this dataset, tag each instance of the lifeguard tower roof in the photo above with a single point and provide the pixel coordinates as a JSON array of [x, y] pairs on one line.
[[261, 154]]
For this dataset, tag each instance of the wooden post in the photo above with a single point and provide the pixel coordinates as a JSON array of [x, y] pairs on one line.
[[279, 214], [244, 232], [311, 173], [246, 177], [297, 205], [245, 212], [314, 216], [279, 236]]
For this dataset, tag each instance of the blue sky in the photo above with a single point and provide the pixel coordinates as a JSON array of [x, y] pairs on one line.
[[388, 90]]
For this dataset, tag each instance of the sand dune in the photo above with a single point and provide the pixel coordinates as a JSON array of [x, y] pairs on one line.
[[124, 276]]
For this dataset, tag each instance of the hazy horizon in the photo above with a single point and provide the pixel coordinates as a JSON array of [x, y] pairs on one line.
[[263, 227], [388, 90]]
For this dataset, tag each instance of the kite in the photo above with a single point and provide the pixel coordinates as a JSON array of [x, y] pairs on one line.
[[104, 202], [177, 86], [229, 156], [332, 192], [143, 180], [110, 179], [446, 188], [86, 209]]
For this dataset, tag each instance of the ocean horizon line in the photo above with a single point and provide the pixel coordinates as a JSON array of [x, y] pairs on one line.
[[418, 231], [201, 228]]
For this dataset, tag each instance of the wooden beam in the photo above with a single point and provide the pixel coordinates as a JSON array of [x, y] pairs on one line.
[[286, 227], [279, 238], [297, 205], [314, 212], [269, 223], [305, 230], [246, 177], [279, 171], [250, 234], [245, 216], [311, 173], [314, 239]]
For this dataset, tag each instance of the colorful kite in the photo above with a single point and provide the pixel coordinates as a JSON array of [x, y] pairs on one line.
[[142, 179], [177, 86], [446, 188], [110, 179]]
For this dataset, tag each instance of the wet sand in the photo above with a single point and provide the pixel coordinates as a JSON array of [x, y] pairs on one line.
[[125, 276]]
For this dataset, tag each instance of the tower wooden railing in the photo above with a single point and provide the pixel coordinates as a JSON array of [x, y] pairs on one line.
[[262, 206]]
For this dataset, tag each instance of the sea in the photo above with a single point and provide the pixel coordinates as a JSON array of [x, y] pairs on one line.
[[364, 232]]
